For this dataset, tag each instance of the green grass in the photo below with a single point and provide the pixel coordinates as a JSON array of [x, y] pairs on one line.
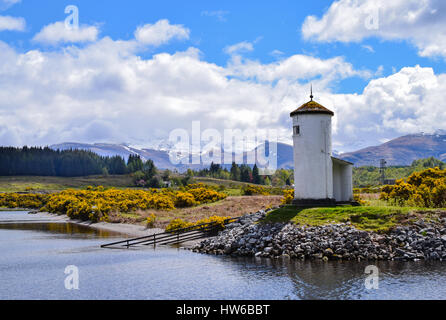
[[218, 182], [233, 192], [379, 219], [31, 183]]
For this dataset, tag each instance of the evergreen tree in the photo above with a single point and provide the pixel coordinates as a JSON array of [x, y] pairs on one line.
[[214, 170], [166, 175], [257, 179], [245, 173], [134, 163], [149, 170], [117, 165], [37, 161], [235, 172]]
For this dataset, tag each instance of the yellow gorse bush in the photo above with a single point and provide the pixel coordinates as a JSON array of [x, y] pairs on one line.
[[359, 200], [185, 199], [95, 204], [151, 220], [176, 224], [288, 196], [214, 219], [205, 194], [422, 189], [18, 200], [251, 190]]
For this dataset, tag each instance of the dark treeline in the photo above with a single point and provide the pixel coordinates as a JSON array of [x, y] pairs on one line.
[[244, 173], [37, 161]]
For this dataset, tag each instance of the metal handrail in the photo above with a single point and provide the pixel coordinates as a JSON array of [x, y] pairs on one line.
[[161, 237], [169, 237]]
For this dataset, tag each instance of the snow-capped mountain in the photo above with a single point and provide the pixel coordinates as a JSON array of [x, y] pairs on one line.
[[399, 151]]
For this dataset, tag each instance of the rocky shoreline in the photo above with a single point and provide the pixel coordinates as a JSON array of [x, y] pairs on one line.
[[419, 241]]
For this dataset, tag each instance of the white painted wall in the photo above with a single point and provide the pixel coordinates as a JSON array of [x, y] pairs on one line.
[[313, 171], [337, 181], [342, 181], [347, 183]]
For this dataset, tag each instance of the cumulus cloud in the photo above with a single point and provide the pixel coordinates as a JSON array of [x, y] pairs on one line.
[[240, 47], [105, 92], [409, 101], [276, 53], [161, 33], [296, 67], [8, 23], [423, 23], [76, 94], [5, 4], [57, 32]]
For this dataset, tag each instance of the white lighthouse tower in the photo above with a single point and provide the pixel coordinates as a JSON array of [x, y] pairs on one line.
[[319, 179]]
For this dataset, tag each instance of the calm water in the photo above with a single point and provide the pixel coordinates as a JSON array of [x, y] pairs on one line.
[[33, 258]]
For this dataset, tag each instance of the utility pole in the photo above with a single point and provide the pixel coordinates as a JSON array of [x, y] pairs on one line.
[[382, 169]]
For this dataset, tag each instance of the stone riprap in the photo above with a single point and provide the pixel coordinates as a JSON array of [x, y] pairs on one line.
[[248, 237]]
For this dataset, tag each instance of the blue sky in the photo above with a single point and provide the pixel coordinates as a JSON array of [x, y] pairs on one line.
[[401, 63], [273, 25]]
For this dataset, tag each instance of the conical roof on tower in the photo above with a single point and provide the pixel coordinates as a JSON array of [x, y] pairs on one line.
[[311, 107]]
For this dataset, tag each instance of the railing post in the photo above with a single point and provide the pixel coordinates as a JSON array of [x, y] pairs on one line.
[[168, 237]]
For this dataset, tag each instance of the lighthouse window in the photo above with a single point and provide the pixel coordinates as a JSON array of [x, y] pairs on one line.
[[296, 130]]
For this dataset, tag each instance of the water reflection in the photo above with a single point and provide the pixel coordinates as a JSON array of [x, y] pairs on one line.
[[34, 257], [346, 279], [74, 230]]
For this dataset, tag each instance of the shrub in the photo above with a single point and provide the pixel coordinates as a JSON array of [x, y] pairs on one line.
[[151, 221], [288, 196], [422, 189], [96, 203], [251, 190], [214, 219], [16, 200], [176, 224], [184, 199], [358, 199], [204, 195]]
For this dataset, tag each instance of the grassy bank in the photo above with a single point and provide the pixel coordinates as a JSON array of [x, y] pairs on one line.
[[370, 218], [34, 183], [50, 184]]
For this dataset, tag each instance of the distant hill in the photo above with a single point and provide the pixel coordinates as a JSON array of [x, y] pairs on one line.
[[285, 157], [401, 151], [161, 157]]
